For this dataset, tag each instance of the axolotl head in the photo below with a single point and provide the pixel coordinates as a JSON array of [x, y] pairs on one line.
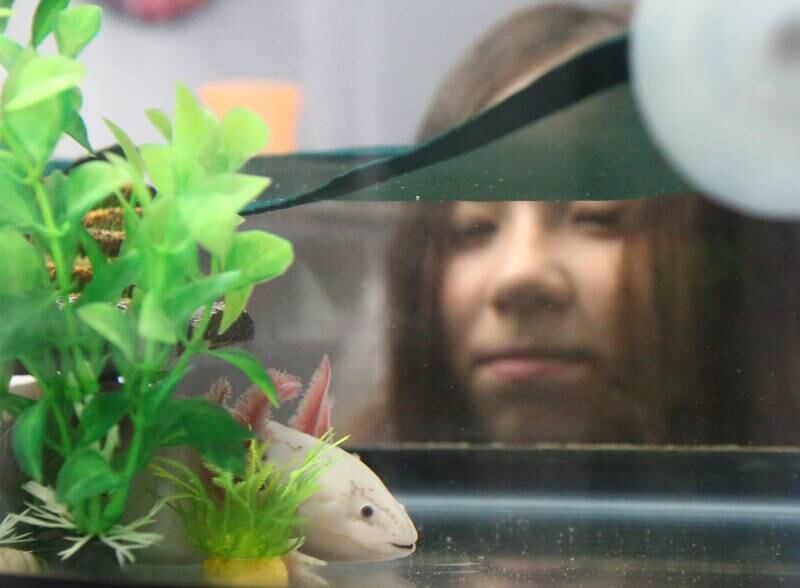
[[354, 517]]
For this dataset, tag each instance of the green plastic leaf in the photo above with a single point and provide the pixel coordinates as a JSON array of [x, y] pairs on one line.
[[77, 99], [40, 79], [210, 211], [97, 259], [160, 121], [89, 184], [259, 255], [154, 401], [6, 371], [76, 129], [10, 50], [244, 134], [168, 431], [84, 475], [76, 27], [128, 147], [194, 127], [155, 229], [182, 264], [158, 163], [24, 269], [229, 191], [17, 201], [45, 18], [235, 303], [251, 367], [35, 322], [155, 323], [55, 186], [11, 168], [213, 227], [38, 128], [216, 436], [28, 443], [6, 13], [110, 279], [111, 323], [208, 428], [140, 192], [14, 404], [185, 300], [103, 412]]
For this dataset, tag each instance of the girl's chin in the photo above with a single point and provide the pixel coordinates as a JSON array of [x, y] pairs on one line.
[[516, 385], [527, 427], [576, 413], [531, 422]]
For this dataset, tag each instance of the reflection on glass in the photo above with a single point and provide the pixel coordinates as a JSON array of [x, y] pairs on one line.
[[663, 320]]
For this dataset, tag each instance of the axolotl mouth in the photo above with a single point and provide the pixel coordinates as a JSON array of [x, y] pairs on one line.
[[410, 547]]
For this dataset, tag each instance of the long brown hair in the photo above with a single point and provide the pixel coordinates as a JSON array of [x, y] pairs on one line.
[[711, 322], [424, 402], [526, 41]]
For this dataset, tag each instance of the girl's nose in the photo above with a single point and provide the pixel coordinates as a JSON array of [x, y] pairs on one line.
[[530, 277]]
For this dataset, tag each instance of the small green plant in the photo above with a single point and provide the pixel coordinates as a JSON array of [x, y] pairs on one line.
[[69, 439], [255, 516]]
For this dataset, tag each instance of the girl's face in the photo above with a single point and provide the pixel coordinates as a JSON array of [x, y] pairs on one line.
[[528, 310]]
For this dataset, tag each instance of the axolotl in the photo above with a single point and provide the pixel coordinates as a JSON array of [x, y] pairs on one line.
[[353, 517]]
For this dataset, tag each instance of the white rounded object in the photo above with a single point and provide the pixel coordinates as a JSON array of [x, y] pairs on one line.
[[25, 386], [16, 561], [718, 84]]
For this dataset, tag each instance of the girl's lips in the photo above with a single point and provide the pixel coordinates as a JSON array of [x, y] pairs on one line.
[[520, 369]]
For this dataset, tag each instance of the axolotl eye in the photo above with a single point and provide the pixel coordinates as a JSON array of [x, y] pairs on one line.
[[367, 511]]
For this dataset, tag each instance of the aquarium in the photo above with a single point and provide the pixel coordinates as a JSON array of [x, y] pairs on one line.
[[552, 341]]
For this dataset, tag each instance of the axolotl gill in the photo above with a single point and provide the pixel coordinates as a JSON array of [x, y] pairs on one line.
[[353, 517]]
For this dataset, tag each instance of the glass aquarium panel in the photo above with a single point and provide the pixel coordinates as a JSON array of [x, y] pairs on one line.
[[554, 341]]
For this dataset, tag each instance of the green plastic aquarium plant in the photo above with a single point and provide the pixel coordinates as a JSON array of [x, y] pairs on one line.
[[70, 441], [245, 525]]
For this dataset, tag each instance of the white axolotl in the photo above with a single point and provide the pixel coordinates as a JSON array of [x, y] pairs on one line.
[[353, 517]]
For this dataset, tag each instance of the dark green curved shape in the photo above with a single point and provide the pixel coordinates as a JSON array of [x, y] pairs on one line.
[[573, 134]]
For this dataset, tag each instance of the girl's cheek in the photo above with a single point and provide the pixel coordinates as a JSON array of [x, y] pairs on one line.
[[454, 294], [460, 295], [597, 280]]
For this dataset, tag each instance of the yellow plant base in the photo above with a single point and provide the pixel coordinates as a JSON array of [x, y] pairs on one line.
[[265, 572]]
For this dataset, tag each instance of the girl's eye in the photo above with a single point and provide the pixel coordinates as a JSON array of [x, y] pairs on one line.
[[471, 234], [601, 221]]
